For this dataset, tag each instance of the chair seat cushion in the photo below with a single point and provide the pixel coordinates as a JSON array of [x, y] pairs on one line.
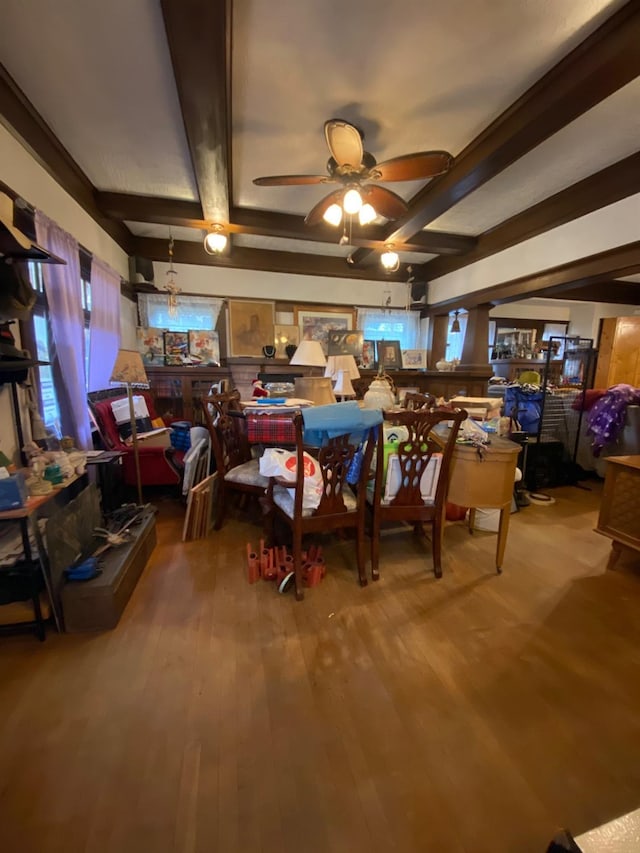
[[248, 474], [284, 499]]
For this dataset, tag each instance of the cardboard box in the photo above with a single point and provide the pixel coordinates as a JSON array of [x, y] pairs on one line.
[[155, 438]]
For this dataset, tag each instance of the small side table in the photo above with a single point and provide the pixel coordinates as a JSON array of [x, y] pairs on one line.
[[619, 517]]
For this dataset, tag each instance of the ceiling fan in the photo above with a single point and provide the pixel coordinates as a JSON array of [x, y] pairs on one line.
[[358, 173]]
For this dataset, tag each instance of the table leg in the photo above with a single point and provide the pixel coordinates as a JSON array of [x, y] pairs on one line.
[[503, 529]]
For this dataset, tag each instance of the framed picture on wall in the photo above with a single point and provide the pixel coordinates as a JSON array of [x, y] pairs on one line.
[[176, 348], [414, 359], [315, 325], [204, 346], [389, 355], [284, 336], [150, 345], [251, 327], [344, 343], [368, 359]]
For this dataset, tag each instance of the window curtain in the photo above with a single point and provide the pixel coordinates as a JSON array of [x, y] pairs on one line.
[[386, 324], [455, 340], [194, 312], [104, 329], [66, 318]]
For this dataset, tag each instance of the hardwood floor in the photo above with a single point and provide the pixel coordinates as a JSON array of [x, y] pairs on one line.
[[476, 713]]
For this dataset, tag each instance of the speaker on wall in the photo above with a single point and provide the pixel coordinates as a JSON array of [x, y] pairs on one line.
[[418, 291], [140, 270]]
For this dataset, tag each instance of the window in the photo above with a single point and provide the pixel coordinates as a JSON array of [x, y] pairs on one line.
[[194, 312], [380, 324], [40, 337]]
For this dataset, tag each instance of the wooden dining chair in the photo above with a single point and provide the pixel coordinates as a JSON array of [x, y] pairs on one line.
[[237, 471], [340, 507], [416, 501]]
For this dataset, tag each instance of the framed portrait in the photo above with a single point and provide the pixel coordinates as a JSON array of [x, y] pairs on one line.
[[250, 327], [284, 336], [204, 346], [150, 345], [344, 343], [389, 355], [315, 325], [368, 357], [414, 359]]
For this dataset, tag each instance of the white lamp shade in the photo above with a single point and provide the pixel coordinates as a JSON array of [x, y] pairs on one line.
[[309, 354], [343, 386], [345, 363]]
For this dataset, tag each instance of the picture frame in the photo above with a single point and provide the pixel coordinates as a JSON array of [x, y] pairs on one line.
[[150, 343], [250, 326], [414, 359], [176, 348], [368, 358], [315, 325], [204, 346], [285, 335], [389, 354], [344, 343]]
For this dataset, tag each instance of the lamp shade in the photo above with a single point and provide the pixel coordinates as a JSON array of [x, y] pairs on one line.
[[309, 354], [129, 369], [345, 363], [343, 386]]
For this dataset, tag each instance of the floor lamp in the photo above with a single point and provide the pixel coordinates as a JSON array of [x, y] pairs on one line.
[[129, 370]]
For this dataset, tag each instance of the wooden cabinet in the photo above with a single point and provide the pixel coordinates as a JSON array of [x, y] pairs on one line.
[[618, 352], [620, 506], [176, 389], [447, 384], [511, 368]]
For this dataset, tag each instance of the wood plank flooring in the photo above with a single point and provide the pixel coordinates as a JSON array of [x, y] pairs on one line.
[[474, 714]]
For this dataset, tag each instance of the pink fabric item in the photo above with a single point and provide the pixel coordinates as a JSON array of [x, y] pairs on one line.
[[588, 399]]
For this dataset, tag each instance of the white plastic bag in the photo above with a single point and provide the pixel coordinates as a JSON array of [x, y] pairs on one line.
[[276, 462]]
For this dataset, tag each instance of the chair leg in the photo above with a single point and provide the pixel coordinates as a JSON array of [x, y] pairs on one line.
[[436, 545], [360, 554], [297, 565], [375, 546]]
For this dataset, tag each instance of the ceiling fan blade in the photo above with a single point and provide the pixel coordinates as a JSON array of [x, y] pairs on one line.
[[344, 141], [411, 167], [383, 201], [314, 217], [291, 180]]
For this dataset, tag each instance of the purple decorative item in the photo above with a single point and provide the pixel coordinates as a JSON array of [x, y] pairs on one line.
[[606, 418]]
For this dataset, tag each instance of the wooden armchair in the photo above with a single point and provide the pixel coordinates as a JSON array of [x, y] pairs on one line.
[[413, 400], [413, 501], [338, 508]]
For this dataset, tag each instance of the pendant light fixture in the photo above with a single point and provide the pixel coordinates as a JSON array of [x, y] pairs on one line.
[[215, 241], [455, 326], [389, 259]]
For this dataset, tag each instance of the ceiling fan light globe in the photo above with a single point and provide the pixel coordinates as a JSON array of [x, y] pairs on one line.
[[367, 214], [215, 242], [390, 260], [352, 201], [333, 214]]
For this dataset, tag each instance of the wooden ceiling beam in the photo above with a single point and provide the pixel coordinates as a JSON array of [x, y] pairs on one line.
[[151, 209], [604, 62], [185, 252], [592, 270], [26, 123], [618, 181], [613, 291], [199, 37]]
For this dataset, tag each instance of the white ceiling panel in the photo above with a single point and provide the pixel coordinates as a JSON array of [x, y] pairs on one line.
[[278, 244]]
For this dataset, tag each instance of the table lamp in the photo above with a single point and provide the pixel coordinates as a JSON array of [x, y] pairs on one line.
[[315, 388], [342, 369], [129, 370]]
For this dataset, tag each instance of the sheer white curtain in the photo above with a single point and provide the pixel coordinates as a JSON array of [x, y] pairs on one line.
[[194, 312], [104, 337], [66, 316], [387, 324]]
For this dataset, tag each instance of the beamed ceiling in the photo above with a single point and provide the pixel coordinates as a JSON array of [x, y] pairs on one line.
[[157, 115]]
